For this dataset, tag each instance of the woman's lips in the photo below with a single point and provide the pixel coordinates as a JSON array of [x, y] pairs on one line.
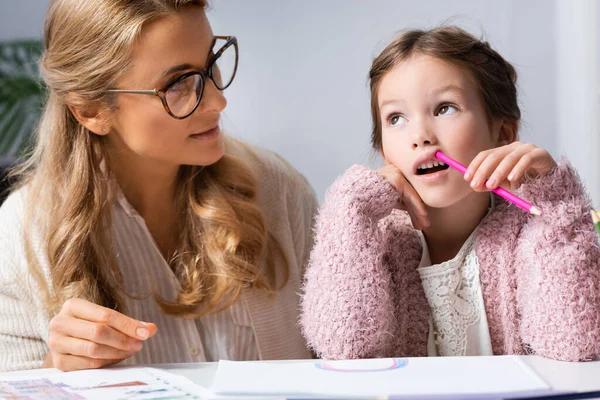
[[207, 135]]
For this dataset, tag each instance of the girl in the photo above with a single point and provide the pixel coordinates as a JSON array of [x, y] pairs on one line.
[[414, 259], [139, 231]]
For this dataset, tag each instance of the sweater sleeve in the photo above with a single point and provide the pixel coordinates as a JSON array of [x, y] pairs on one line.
[[21, 344], [347, 309], [558, 270]]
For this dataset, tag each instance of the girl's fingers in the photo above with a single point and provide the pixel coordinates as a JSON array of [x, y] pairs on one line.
[[66, 345], [474, 165], [518, 172], [410, 200], [415, 220], [415, 206], [410, 195], [491, 160], [506, 165], [538, 161], [492, 168], [481, 175]]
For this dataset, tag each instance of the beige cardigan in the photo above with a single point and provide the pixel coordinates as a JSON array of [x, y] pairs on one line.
[[288, 204]]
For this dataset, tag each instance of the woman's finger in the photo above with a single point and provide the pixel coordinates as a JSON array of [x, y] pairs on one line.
[[67, 362], [85, 310], [80, 347], [94, 332]]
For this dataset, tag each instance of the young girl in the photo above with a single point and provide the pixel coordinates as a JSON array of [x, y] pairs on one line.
[[139, 231], [414, 259]]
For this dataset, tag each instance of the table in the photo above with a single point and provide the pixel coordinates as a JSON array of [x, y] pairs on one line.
[[560, 375]]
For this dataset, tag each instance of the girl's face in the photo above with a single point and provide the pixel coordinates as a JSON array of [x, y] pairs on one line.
[[141, 129], [427, 105]]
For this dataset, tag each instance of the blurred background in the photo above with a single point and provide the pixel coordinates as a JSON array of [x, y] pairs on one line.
[[302, 91]]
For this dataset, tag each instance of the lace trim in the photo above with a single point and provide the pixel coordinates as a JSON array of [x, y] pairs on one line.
[[453, 291]]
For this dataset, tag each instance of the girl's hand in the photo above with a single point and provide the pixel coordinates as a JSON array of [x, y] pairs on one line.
[[410, 201], [84, 335], [507, 166]]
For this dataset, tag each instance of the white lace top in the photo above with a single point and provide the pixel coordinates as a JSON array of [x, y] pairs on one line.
[[458, 325]]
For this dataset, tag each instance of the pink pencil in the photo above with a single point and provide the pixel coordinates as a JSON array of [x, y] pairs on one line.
[[517, 201]]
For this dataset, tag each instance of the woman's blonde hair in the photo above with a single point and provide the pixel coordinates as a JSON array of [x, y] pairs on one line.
[[224, 238]]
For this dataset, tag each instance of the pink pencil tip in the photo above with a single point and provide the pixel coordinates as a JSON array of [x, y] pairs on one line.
[[535, 211]]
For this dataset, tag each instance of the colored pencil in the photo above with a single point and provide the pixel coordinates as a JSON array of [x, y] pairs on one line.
[[517, 201]]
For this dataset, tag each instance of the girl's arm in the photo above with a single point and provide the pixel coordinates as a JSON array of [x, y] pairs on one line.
[[558, 270], [347, 311]]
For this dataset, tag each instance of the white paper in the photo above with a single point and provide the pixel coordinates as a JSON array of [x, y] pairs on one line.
[[131, 383], [435, 376]]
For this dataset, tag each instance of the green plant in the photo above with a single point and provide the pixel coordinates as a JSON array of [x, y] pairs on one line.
[[21, 94]]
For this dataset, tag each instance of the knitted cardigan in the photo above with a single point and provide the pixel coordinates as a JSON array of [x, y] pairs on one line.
[[540, 275]]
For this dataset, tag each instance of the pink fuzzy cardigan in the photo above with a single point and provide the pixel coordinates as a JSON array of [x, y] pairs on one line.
[[540, 276]]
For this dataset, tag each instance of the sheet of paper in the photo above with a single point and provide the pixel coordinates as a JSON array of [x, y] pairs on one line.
[[377, 378], [126, 383]]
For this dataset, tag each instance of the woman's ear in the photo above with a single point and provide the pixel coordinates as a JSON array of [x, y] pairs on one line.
[[93, 117]]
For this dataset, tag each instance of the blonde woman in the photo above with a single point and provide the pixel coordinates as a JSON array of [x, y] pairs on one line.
[[139, 233]]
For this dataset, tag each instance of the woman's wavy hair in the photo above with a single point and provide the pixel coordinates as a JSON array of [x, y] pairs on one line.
[[495, 77], [224, 239]]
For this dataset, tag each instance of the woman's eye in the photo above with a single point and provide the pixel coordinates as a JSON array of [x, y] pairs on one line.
[[184, 85], [396, 120], [177, 87], [446, 109]]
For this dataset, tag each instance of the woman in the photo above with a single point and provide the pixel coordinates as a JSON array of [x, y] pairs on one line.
[[139, 233]]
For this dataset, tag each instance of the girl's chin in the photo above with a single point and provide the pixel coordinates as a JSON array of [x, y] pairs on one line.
[[438, 204], [442, 200]]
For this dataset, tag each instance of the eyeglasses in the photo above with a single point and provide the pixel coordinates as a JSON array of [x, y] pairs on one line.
[[181, 97]]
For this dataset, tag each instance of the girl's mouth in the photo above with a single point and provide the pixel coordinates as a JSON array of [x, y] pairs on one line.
[[431, 167]]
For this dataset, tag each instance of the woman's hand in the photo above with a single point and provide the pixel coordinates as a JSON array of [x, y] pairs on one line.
[[507, 166], [410, 201], [84, 335]]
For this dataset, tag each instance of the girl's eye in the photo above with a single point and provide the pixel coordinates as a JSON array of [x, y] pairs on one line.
[[446, 109], [396, 120]]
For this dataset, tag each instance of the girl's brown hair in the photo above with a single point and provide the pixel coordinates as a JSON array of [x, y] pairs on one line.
[[494, 76], [224, 238]]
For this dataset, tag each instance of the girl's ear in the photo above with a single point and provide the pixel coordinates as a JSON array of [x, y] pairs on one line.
[[507, 132]]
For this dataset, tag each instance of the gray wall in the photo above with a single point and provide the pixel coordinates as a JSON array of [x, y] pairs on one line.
[[22, 18], [302, 87]]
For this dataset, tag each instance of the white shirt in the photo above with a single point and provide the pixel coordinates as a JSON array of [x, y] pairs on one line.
[[458, 324], [258, 325], [227, 335]]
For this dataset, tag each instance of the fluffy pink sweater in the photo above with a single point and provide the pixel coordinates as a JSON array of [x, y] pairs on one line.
[[540, 275]]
